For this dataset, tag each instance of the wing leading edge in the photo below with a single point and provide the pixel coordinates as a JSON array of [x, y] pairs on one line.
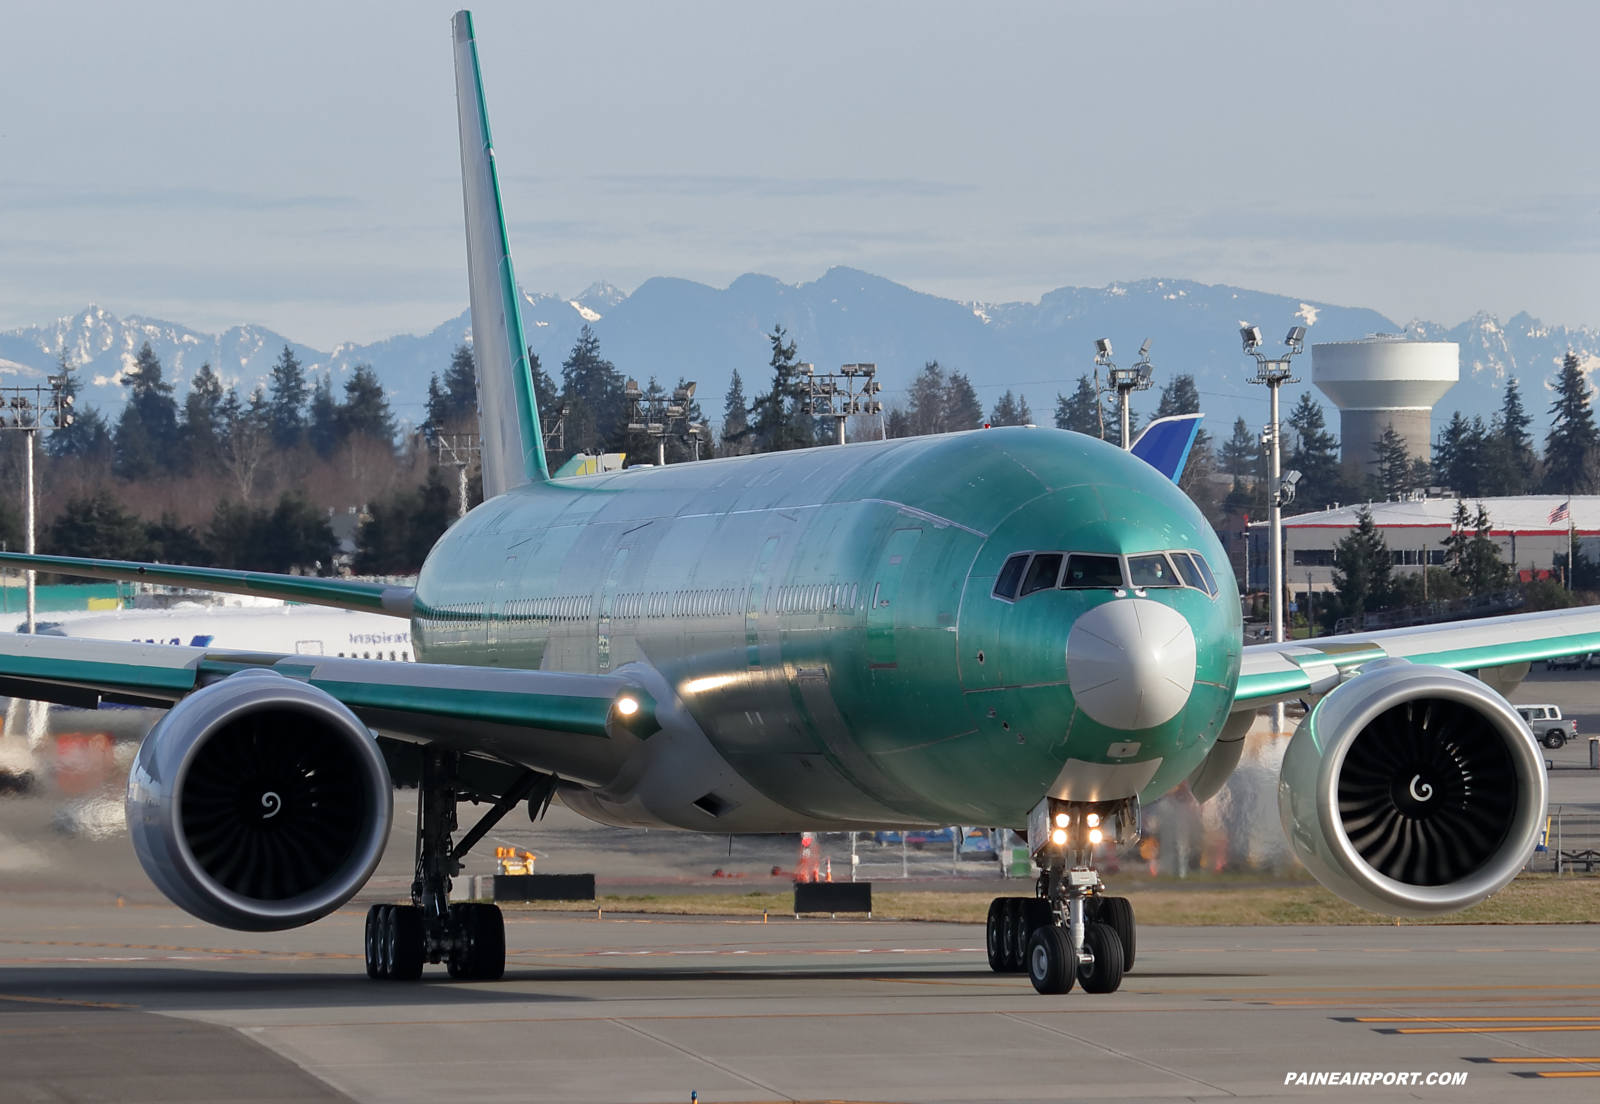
[[1277, 672], [547, 720], [351, 594]]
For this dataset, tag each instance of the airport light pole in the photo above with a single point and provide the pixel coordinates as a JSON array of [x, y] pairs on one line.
[[22, 409], [835, 394], [1125, 380], [1274, 373]]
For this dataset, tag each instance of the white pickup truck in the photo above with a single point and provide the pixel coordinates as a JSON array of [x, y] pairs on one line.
[[1548, 727]]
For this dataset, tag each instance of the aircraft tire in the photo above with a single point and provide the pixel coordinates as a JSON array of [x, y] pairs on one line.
[[1105, 975], [1008, 933], [406, 945], [1031, 915], [994, 935], [377, 969], [483, 955], [1117, 912], [1050, 960]]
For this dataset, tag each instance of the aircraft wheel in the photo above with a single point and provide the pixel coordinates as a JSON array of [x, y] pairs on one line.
[[1117, 912], [377, 968], [1031, 916], [1050, 960], [405, 947], [994, 935], [1105, 975], [482, 953]]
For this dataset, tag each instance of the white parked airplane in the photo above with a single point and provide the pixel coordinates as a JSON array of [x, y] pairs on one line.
[[284, 629]]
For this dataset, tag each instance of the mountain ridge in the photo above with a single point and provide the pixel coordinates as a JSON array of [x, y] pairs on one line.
[[670, 327]]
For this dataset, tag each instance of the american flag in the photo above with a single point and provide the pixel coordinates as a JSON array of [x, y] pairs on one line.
[[1561, 513]]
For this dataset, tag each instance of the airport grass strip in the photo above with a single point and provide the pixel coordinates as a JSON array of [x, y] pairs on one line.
[[1530, 899]]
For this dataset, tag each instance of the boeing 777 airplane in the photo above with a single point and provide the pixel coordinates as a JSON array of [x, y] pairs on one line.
[[1023, 627]]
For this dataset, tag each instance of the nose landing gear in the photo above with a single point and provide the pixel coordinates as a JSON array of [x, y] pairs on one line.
[[1071, 931]]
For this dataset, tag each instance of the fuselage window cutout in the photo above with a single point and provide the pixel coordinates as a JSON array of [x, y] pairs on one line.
[[1151, 571], [1086, 572], [1191, 574], [1042, 574], [1205, 570], [1005, 585]]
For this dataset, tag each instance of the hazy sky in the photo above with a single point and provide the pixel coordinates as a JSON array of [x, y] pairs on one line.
[[296, 164]]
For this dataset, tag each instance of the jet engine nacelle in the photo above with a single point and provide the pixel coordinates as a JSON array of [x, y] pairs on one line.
[[259, 803], [1412, 790]]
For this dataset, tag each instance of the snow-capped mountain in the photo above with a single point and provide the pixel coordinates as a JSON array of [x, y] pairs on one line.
[[671, 328]]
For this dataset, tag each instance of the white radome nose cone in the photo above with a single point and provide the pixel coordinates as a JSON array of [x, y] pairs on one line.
[[1131, 663]]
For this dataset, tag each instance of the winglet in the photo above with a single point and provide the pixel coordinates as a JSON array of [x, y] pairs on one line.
[[508, 416], [1165, 443]]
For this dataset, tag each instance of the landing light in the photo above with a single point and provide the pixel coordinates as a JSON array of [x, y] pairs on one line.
[[1092, 820], [627, 706], [1059, 836], [1095, 835], [1062, 820], [710, 682]]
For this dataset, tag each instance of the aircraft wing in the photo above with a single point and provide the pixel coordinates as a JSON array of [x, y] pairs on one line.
[[561, 723], [349, 594], [1278, 672]]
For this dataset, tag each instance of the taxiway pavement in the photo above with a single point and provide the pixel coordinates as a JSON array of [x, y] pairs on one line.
[[141, 1003]]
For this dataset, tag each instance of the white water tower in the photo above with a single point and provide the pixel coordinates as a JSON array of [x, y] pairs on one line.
[[1381, 381]]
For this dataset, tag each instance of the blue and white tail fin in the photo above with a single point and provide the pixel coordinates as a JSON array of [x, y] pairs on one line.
[[508, 416], [1165, 443]]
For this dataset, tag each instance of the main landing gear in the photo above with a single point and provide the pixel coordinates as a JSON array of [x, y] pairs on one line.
[[1071, 932], [470, 937]]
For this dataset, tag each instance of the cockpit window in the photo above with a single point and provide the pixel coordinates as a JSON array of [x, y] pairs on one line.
[[1042, 573], [1010, 575], [1151, 571], [1191, 574], [1205, 571], [1092, 573]]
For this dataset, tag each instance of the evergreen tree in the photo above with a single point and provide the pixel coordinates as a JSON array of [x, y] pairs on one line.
[[1181, 396], [365, 409], [1081, 412], [248, 439], [592, 390], [293, 536], [1472, 556], [962, 411], [286, 412], [87, 435], [147, 431], [1241, 453], [1361, 578], [925, 402], [169, 541], [545, 394], [1011, 411], [1394, 475], [96, 526], [398, 533], [780, 421], [202, 420], [457, 396], [1456, 455], [322, 422], [1523, 473], [735, 419], [1570, 451], [1314, 455]]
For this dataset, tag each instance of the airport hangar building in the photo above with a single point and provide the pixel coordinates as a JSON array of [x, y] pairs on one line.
[[1528, 528]]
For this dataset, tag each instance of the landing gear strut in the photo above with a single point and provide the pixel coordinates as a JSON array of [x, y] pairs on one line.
[[468, 937], [1070, 931]]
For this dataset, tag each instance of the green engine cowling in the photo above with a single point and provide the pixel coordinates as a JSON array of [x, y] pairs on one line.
[[1412, 790]]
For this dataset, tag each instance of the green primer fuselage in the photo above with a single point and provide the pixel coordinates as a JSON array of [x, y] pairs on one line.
[[821, 613]]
